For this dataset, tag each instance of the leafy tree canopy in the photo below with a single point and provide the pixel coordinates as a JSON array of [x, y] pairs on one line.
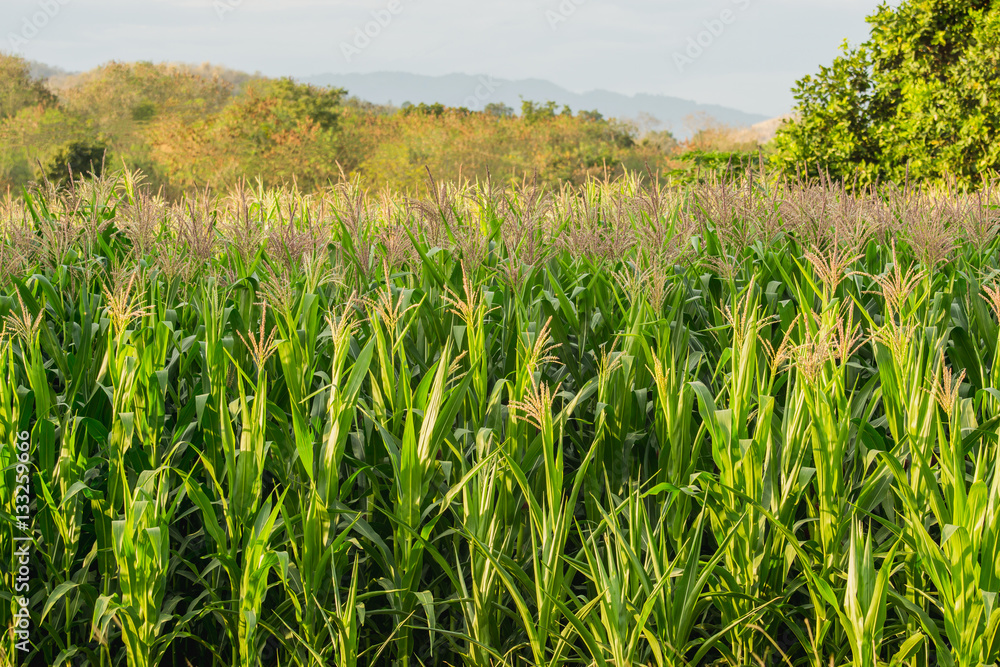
[[273, 107], [17, 89], [73, 160], [498, 109], [533, 112], [116, 94], [919, 99]]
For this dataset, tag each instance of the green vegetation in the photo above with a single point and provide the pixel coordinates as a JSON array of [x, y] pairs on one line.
[[741, 423], [18, 89], [74, 159], [918, 100], [188, 127]]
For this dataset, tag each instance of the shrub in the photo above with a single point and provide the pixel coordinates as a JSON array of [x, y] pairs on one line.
[[75, 159]]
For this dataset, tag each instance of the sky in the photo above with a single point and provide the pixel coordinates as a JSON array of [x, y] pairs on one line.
[[745, 54]]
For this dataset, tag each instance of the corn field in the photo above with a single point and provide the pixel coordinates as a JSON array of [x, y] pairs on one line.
[[747, 422]]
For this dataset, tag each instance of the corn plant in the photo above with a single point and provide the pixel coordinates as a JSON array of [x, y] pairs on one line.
[[737, 422]]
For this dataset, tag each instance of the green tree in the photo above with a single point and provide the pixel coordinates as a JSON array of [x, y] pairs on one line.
[[533, 112], [73, 160], [277, 130], [32, 136], [119, 97], [920, 97], [298, 102], [271, 109], [498, 109], [17, 89], [437, 109]]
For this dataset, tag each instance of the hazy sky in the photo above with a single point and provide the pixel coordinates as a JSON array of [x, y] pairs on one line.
[[742, 53]]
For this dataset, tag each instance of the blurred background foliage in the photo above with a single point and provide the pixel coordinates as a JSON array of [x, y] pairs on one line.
[[189, 127], [916, 102]]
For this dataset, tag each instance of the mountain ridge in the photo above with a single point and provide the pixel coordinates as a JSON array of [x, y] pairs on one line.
[[474, 92], [648, 111]]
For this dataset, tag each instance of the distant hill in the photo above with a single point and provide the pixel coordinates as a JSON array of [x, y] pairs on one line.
[[190, 126], [59, 79], [475, 92], [651, 112]]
